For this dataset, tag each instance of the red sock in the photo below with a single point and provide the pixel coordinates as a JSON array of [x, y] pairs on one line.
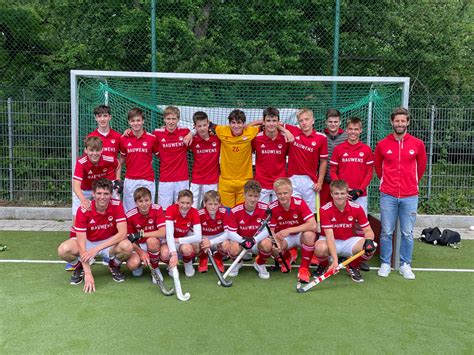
[[364, 258], [189, 258], [115, 262], [307, 252], [154, 259], [262, 257]]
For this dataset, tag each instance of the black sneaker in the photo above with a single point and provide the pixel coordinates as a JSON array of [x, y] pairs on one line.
[[117, 276], [354, 274], [364, 266], [77, 275], [320, 270]]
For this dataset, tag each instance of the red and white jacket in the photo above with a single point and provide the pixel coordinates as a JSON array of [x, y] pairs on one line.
[[400, 165]]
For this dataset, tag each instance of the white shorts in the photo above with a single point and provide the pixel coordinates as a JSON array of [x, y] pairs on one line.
[[267, 196], [104, 253], [344, 247], [144, 247], [303, 188], [198, 191], [76, 203], [168, 192], [293, 240], [129, 187], [363, 202]]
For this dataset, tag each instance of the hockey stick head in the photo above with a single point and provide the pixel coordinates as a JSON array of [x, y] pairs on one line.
[[158, 277], [177, 285]]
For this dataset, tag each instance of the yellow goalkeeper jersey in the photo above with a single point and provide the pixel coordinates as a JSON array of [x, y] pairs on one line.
[[236, 153]]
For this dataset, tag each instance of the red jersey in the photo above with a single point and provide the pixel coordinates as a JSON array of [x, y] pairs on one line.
[[138, 153], [86, 172], [243, 223], [270, 158], [353, 163], [152, 221], [173, 154], [211, 227], [297, 214], [100, 226], [206, 160], [343, 223], [305, 152], [182, 225], [400, 165], [110, 142]]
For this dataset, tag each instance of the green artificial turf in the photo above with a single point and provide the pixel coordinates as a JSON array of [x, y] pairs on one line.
[[42, 313]]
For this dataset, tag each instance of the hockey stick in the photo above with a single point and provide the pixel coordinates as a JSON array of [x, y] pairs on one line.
[[242, 253], [277, 245], [222, 280], [158, 277], [318, 217], [177, 286], [317, 280]]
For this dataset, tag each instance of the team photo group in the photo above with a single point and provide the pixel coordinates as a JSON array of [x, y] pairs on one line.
[[264, 191]]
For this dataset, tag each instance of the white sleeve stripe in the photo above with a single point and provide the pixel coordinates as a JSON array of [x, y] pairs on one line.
[[77, 178], [364, 225], [231, 229], [323, 155], [308, 217], [370, 162], [333, 162], [161, 225], [80, 229], [326, 225], [120, 219]]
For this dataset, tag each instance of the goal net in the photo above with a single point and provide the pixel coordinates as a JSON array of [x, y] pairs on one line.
[[370, 98]]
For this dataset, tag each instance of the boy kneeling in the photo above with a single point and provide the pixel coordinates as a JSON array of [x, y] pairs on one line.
[[146, 225], [338, 220], [101, 231]]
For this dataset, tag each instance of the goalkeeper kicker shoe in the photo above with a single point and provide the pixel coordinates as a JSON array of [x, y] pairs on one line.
[[77, 275]]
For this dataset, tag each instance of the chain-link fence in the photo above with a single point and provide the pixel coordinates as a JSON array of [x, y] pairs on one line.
[[40, 42], [35, 156]]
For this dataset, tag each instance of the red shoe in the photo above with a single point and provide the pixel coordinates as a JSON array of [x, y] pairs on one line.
[[294, 255], [219, 262], [283, 268], [203, 259], [304, 275], [314, 261]]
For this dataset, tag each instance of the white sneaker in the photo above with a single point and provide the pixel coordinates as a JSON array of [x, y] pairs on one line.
[[262, 271], [235, 272], [189, 269], [406, 272], [384, 270], [137, 272]]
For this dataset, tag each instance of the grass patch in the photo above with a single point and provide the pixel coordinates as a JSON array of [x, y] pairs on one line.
[[42, 313]]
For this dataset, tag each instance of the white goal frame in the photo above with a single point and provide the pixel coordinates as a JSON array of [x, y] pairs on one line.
[[404, 81]]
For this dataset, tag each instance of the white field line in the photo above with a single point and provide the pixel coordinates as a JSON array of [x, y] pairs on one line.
[[27, 261]]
